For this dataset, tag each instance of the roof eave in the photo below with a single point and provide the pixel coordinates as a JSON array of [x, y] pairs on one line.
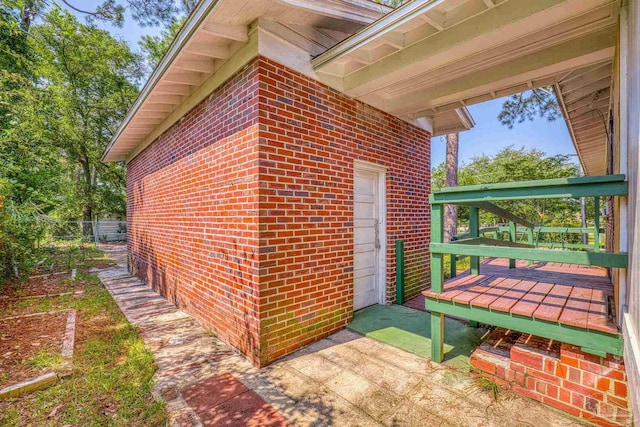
[[194, 20]]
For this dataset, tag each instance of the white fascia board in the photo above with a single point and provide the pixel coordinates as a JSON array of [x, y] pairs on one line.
[[186, 32], [387, 23]]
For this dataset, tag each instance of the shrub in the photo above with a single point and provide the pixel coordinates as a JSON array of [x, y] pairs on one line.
[[21, 227]]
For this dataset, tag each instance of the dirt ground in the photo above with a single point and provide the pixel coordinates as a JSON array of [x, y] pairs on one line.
[[40, 286], [22, 339], [109, 382]]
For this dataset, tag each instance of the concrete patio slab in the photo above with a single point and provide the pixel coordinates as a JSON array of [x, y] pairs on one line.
[[345, 379], [410, 330]]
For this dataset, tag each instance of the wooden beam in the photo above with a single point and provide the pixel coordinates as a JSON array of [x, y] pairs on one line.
[[292, 35], [518, 71], [587, 339], [595, 124], [200, 66], [582, 71], [502, 213], [228, 31], [394, 39], [161, 108], [589, 91], [585, 79], [244, 54], [429, 20], [491, 242], [150, 115], [190, 78], [603, 98], [314, 34], [589, 186], [586, 115], [165, 99], [474, 232], [437, 261], [210, 50], [171, 89], [487, 22], [601, 259]]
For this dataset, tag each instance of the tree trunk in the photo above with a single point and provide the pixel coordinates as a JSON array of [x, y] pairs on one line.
[[27, 14], [451, 180], [87, 205]]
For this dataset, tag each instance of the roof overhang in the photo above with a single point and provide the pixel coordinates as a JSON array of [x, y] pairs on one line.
[[585, 98], [429, 57], [217, 39]]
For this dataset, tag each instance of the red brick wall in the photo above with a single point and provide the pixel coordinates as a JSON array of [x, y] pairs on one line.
[[192, 213], [559, 375], [242, 213], [310, 136]]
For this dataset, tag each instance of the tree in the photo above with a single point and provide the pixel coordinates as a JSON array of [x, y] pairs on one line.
[[539, 102], [144, 12], [511, 164], [451, 180], [64, 87], [86, 81], [16, 68], [155, 47]]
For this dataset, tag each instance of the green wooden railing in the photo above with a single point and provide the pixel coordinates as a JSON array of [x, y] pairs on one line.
[[475, 244], [538, 237]]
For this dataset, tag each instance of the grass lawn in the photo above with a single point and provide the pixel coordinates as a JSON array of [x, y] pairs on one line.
[[461, 265], [110, 384]]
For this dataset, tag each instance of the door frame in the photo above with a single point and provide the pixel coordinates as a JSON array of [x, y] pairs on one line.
[[381, 259]]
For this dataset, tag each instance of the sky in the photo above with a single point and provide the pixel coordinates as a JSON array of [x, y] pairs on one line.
[[131, 31], [487, 137]]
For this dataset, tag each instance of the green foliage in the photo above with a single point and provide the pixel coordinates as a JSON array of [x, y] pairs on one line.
[[155, 47], [21, 227], [112, 369], [85, 82], [15, 59], [488, 385], [540, 102], [65, 87], [144, 12], [511, 164], [46, 359]]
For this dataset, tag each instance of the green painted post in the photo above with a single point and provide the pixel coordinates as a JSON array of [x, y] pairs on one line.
[[512, 238], [530, 240], [399, 272], [437, 337], [452, 265], [437, 281], [437, 266], [474, 231], [596, 220]]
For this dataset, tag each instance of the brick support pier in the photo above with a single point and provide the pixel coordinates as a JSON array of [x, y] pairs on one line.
[[557, 374]]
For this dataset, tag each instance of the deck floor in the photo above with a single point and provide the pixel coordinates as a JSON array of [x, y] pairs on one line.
[[567, 294]]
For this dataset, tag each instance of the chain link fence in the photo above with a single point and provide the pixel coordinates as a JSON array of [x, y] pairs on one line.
[[101, 231]]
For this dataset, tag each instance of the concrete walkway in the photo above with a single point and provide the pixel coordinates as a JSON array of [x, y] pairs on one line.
[[344, 380]]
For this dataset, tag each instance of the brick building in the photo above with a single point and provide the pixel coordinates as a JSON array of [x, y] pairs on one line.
[[264, 202], [281, 148]]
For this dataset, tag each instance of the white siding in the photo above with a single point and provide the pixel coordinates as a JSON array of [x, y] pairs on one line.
[[632, 317]]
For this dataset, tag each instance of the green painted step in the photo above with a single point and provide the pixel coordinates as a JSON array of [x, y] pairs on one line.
[[410, 330]]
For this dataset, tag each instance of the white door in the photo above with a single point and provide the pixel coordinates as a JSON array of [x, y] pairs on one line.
[[366, 287]]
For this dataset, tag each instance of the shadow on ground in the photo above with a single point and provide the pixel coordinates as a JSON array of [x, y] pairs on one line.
[[410, 330]]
